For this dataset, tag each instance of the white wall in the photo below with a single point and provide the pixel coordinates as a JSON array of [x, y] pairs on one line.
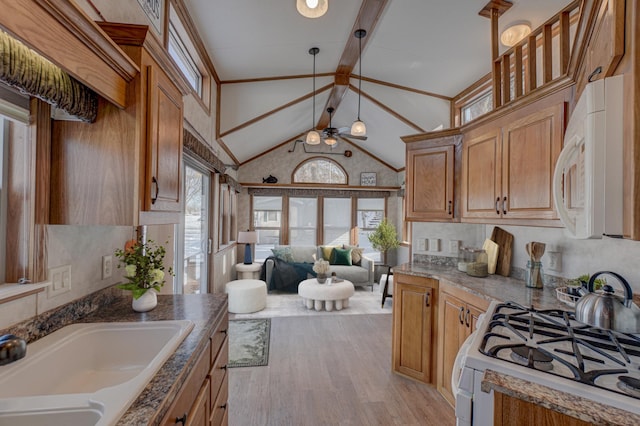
[[578, 256]]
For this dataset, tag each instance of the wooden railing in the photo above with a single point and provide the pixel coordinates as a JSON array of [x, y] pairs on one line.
[[537, 60]]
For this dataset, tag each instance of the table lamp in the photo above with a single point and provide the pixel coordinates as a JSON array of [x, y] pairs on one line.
[[247, 238]]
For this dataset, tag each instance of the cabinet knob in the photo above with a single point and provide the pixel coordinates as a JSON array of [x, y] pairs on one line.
[[182, 419], [155, 182], [426, 300], [498, 205], [460, 315], [224, 367]]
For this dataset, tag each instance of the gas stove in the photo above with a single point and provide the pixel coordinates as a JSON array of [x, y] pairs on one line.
[[551, 348]]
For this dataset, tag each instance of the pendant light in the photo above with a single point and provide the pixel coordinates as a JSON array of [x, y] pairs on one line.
[[313, 137], [358, 128], [330, 139], [312, 8]]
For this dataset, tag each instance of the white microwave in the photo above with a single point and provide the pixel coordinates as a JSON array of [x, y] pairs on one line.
[[587, 181]]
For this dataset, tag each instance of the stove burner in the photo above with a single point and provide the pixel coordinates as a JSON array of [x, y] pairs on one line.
[[526, 355], [629, 385]]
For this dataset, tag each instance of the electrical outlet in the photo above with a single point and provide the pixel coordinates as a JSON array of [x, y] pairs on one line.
[[60, 278], [107, 266], [555, 261], [434, 244], [421, 244], [454, 246]]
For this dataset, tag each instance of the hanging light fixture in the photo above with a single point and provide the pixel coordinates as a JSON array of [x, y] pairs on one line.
[[330, 139], [358, 128], [313, 137], [312, 8]]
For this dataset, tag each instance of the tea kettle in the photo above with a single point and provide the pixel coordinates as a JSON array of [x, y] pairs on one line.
[[608, 311]]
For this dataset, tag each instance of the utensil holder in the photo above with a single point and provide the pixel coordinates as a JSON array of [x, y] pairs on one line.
[[533, 277]]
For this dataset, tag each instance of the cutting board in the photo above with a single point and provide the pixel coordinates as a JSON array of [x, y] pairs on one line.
[[492, 250], [505, 247]]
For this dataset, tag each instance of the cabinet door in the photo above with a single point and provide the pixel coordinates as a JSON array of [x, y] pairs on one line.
[[452, 316], [530, 148], [199, 412], [430, 175], [412, 323], [481, 176], [164, 143]]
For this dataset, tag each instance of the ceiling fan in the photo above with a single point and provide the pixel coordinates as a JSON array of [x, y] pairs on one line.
[[331, 133]]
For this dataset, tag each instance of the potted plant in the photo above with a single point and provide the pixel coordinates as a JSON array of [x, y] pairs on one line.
[[144, 271], [384, 238]]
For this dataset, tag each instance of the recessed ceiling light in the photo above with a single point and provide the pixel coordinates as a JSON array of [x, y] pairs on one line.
[[514, 33]]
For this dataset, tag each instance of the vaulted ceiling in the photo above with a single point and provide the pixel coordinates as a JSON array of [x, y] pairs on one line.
[[417, 55]]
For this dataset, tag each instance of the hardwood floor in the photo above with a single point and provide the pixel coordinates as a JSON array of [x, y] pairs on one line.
[[331, 370]]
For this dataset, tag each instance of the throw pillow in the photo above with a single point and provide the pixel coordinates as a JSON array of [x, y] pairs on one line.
[[283, 253], [326, 252], [340, 257], [356, 254]]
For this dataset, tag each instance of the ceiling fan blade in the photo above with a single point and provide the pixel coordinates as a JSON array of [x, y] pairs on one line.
[[350, 136]]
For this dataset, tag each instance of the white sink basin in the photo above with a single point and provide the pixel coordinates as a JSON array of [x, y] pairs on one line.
[[72, 369], [86, 416]]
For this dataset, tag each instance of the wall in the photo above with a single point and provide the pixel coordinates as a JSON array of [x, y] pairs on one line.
[[578, 256]]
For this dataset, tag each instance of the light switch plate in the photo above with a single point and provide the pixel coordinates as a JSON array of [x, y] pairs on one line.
[[454, 246], [434, 244], [421, 244], [60, 278]]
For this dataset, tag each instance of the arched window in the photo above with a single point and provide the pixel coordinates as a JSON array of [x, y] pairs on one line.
[[319, 170]]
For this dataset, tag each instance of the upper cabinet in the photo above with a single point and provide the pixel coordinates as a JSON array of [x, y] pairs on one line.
[[508, 166], [124, 169], [432, 162]]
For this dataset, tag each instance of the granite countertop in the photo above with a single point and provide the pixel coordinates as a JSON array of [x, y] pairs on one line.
[[493, 287], [575, 406], [204, 310]]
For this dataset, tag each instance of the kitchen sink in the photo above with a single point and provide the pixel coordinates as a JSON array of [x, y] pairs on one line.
[[86, 416], [67, 370]]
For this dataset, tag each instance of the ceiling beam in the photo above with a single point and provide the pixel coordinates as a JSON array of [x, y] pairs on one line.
[[387, 109], [368, 16]]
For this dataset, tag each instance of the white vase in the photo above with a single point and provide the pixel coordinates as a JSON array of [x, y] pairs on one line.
[[146, 302]]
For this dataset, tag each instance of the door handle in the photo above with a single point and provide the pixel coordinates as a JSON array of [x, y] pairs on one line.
[[450, 211], [498, 205], [466, 317], [155, 197], [426, 300], [504, 205], [460, 314]]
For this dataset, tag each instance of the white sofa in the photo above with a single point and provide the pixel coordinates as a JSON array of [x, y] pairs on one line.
[[360, 275]]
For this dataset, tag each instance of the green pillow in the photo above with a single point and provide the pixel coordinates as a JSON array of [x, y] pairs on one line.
[[283, 253], [340, 257]]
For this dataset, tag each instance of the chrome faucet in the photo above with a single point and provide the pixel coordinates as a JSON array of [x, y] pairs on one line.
[[12, 348]]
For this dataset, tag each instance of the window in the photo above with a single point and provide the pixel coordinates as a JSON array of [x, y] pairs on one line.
[[267, 219], [370, 212], [303, 221], [337, 221], [183, 60], [194, 240], [320, 170], [479, 106]]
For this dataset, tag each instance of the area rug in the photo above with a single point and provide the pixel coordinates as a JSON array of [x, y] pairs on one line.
[[249, 342]]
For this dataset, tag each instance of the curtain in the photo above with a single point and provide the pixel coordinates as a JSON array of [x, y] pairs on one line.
[[26, 70]]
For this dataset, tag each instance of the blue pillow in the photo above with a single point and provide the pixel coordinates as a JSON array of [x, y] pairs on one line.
[[283, 253]]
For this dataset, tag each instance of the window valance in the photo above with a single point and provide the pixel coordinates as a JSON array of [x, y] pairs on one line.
[[231, 182], [26, 70], [316, 192], [200, 150]]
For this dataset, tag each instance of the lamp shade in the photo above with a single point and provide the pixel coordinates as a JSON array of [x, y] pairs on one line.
[[313, 138], [331, 141], [358, 128], [513, 34], [247, 237], [312, 8]]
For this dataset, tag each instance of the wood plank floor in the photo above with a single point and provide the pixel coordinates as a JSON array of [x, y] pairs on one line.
[[331, 370]]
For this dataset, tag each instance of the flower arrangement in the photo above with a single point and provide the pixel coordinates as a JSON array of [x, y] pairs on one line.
[[321, 267], [143, 266]]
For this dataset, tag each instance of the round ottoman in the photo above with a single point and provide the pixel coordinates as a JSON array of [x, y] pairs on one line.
[[246, 296], [325, 296]]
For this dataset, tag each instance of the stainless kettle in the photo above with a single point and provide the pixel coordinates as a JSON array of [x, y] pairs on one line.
[[608, 311]]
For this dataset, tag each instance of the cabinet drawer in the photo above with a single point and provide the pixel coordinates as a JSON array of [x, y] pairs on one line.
[[199, 416], [219, 370], [219, 407], [190, 390], [218, 337]]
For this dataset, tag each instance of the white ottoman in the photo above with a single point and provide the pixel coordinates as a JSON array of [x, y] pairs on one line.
[[246, 296], [325, 296]]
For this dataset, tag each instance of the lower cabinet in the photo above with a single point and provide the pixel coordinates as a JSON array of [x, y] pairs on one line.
[[414, 321], [510, 411], [202, 400], [458, 315]]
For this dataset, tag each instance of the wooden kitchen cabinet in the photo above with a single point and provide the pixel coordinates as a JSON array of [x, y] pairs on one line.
[[458, 314], [508, 166], [124, 169], [202, 400], [414, 321], [510, 411], [430, 179]]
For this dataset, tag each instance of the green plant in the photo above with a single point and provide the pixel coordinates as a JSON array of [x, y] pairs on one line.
[[143, 265], [597, 284], [384, 238]]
